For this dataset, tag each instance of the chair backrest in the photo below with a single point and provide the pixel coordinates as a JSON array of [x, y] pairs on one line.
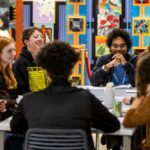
[[55, 139]]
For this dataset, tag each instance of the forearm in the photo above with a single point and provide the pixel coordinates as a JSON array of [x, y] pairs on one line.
[[18, 123], [99, 77], [102, 118]]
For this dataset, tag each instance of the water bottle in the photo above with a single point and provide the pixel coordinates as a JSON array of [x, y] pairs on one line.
[[108, 96]]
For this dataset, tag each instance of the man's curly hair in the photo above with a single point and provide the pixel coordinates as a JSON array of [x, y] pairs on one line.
[[119, 33], [58, 59]]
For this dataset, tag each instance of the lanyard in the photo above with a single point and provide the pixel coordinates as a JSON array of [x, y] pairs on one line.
[[120, 78]]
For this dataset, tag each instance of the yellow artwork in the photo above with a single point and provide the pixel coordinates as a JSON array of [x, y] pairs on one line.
[[77, 77], [100, 46], [141, 26]]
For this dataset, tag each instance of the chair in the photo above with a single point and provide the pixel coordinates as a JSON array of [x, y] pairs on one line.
[[55, 139]]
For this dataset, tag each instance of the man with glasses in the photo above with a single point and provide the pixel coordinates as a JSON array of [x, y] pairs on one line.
[[118, 66]]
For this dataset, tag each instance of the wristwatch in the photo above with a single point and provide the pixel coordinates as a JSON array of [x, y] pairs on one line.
[[104, 68]]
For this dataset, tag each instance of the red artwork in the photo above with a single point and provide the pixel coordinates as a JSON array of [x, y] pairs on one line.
[[107, 23]]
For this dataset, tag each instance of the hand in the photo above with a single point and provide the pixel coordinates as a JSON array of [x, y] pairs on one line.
[[120, 58], [126, 100], [112, 63], [3, 105]]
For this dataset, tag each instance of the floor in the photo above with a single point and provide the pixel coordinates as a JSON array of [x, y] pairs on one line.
[[101, 147]]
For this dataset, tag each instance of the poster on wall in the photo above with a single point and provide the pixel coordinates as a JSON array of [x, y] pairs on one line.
[[101, 47], [141, 26], [109, 6], [43, 11], [76, 25], [106, 23], [4, 18], [47, 31]]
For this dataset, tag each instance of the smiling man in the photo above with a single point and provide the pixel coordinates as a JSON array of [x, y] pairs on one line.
[[118, 66]]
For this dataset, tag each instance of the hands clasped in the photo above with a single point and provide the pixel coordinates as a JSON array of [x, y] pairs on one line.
[[117, 59]]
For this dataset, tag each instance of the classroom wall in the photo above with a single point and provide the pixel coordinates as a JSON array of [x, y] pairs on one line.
[[95, 18]]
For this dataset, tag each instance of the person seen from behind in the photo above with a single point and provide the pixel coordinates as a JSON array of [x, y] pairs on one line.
[[60, 105]]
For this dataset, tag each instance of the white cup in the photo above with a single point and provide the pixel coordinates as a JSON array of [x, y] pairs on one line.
[[108, 98]]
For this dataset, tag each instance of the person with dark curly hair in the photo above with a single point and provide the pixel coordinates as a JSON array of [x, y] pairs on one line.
[[60, 105], [118, 66]]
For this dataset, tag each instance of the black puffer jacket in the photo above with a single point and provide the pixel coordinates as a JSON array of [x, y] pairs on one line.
[[24, 60]]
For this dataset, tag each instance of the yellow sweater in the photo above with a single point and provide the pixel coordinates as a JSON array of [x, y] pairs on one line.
[[138, 117]]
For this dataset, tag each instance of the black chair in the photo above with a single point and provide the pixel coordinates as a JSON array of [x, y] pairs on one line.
[[55, 139]]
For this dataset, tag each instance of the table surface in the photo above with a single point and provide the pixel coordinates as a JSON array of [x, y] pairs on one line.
[[5, 124]]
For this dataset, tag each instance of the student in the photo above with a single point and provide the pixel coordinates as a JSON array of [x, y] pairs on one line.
[[139, 112], [33, 41], [8, 82], [61, 105], [128, 100], [118, 66]]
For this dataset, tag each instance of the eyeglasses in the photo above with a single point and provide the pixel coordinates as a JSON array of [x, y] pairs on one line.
[[123, 46]]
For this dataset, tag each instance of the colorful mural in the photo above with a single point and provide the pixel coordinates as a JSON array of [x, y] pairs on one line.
[[109, 12], [83, 23]]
